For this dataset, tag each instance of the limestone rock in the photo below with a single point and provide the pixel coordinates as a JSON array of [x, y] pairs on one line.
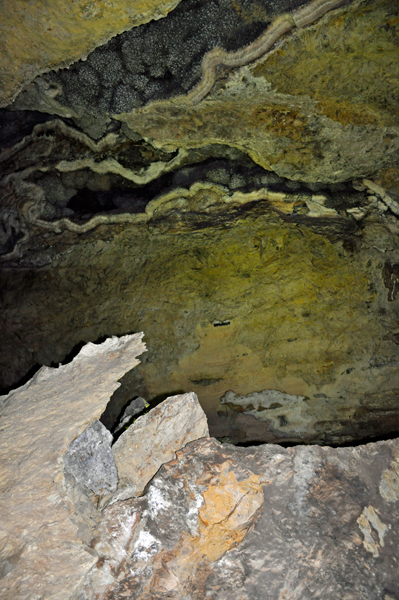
[[135, 407], [227, 523], [41, 554], [89, 459], [154, 438]]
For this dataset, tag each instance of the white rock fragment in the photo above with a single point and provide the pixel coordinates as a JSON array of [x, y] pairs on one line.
[[39, 542]]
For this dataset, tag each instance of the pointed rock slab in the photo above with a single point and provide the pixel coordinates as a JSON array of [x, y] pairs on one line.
[[41, 555], [89, 459], [154, 438]]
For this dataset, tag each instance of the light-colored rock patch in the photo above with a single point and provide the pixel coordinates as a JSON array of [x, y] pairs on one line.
[[40, 550], [154, 438], [284, 412]]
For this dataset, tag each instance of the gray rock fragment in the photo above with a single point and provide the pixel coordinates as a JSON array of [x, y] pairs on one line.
[[135, 407], [89, 459]]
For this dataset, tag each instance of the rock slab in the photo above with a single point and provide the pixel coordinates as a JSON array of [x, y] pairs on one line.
[[154, 438], [41, 555]]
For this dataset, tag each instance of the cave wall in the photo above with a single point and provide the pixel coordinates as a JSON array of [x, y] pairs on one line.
[[232, 194]]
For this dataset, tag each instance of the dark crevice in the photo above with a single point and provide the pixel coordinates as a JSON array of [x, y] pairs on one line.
[[355, 442], [35, 368], [15, 125], [22, 381], [233, 176]]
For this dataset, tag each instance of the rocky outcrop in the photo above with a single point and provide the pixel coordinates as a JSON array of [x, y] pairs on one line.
[[54, 480], [41, 553], [216, 521], [264, 522]]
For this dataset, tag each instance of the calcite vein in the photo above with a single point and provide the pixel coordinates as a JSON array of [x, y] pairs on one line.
[[280, 26]]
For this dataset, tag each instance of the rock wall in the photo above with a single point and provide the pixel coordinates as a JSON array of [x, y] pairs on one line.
[[216, 521], [226, 180]]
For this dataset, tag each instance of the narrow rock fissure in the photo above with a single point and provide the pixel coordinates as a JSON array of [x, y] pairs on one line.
[[230, 175]]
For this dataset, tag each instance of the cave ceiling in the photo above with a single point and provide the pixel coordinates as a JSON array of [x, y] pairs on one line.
[[224, 176]]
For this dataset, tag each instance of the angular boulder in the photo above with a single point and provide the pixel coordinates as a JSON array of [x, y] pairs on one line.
[[227, 523], [41, 552], [89, 459], [154, 439]]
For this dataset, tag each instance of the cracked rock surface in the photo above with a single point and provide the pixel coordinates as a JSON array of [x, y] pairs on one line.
[[216, 521], [264, 522]]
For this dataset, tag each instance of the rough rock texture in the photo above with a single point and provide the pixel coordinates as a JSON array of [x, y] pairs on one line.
[[135, 407], [276, 272], [221, 523], [297, 128], [239, 297], [40, 36], [41, 555], [89, 459], [154, 438]]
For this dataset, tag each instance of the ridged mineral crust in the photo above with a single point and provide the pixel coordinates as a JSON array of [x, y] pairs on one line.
[[41, 36], [297, 111]]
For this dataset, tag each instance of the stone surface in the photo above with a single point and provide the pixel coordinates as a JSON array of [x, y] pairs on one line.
[[135, 407], [221, 523], [324, 123], [41, 555], [40, 36], [89, 459], [274, 272], [154, 438]]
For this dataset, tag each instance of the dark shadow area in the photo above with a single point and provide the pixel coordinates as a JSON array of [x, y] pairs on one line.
[[28, 375], [54, 365], [230, 174], [358, 442]]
